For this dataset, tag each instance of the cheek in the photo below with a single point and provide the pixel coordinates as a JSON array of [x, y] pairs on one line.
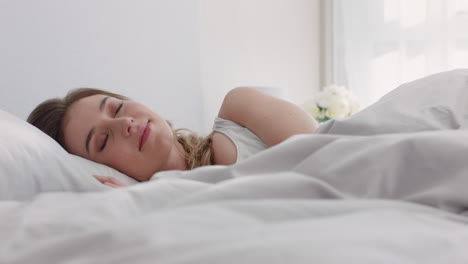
[[120, 158], [132, 163]]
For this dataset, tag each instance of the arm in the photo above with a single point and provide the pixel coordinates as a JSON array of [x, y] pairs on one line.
[[271, 119]]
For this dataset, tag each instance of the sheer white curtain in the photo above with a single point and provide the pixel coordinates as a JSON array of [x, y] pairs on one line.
[[379, 44]]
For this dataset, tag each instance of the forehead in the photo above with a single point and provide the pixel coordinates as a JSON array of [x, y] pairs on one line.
[[79, 119]]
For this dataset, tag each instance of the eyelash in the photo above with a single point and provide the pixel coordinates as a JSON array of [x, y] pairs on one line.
[[118, 109], [107, 136], [104, 144]]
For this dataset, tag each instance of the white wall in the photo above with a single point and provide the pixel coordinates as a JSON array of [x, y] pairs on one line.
[[179, 57], [145, 49], [271, 43]]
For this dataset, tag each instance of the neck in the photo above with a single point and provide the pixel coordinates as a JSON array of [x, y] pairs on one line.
[[176, 160]]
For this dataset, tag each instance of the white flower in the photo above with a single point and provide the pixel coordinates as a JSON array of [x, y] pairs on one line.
[[324, 101], [312, 108], [333, 102], [321, 115], [339, 107]]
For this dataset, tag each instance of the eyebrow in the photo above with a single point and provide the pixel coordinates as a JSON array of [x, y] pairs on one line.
[[91, 132]]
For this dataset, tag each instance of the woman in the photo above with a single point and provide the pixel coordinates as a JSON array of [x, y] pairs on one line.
[[112, 130]]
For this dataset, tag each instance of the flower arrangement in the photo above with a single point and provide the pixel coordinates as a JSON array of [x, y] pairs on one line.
[[332, 102]]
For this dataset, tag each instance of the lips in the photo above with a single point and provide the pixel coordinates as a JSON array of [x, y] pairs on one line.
[[144, 135]]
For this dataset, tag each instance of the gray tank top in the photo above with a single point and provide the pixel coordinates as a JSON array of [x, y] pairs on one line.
[[246, 142]]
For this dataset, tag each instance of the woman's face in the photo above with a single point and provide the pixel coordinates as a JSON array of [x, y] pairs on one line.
[[124, 135]]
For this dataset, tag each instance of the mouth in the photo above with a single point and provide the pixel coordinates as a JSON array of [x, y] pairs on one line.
[[144, 135]]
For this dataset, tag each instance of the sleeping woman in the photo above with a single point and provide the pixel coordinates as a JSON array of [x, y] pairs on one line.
[[113, 130]]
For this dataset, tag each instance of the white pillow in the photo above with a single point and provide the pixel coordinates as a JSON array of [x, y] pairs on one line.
[[31, 162]]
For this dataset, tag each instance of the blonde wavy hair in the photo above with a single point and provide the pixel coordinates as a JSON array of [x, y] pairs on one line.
[[48, 117]]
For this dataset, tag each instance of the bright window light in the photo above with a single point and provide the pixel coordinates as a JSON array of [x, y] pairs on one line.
[[413, 13], [460, 58], [384, 74], [390, 10], [413, 68]]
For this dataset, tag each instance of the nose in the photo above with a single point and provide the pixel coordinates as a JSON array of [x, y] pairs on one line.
[[123, 125]]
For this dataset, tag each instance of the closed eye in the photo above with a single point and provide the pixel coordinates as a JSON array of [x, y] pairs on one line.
[[104, 143], [118, 108], [103, 146]]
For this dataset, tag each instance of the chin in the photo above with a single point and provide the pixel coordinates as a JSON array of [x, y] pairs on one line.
[[142, 178]]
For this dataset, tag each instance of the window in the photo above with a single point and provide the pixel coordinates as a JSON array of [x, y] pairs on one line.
[[380, 44]]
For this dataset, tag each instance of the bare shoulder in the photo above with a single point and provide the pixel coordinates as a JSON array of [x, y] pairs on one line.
[[224, 150], [240, 96], [272, 119]]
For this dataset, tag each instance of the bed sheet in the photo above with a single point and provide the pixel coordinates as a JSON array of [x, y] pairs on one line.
[[368, 208], [385, 186]]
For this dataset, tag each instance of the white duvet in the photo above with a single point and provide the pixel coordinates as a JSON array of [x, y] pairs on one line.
[[389, 185]]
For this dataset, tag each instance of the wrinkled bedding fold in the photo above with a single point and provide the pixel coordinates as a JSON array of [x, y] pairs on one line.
[[387, 185]]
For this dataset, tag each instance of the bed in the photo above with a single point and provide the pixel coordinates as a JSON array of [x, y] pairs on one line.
[[387, 185]]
